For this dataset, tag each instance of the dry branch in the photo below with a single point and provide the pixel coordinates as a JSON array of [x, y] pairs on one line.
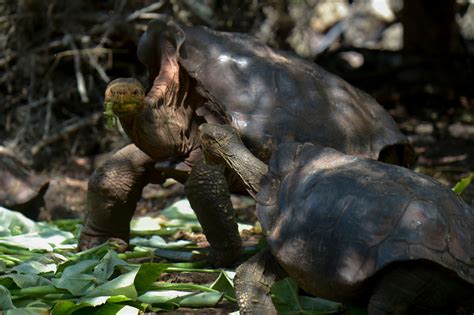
[[150, 8], [81, 85], [67, 131]]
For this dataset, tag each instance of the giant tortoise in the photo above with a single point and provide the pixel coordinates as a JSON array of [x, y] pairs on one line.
[[200, 75], [350, 229]]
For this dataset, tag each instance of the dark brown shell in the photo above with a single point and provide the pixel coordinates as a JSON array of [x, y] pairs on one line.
[[271, 96], [334, 220]]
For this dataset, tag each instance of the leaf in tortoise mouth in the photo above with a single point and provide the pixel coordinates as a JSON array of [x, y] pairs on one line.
[[110, 115]]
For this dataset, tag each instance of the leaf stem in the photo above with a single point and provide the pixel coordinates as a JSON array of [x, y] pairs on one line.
[[40, 290], [187, 286]]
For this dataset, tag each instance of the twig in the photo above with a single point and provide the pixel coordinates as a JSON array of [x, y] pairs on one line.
[[151, 7], [100, 70], [49, 106], [202, 10], [151, 16], [91, 120], [33, 104], [85, 51], [110, 25], [5, 151], [81, 85]]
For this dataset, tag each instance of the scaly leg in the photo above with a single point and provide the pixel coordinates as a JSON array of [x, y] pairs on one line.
[[209, 196], [113, 192], [253, 281]]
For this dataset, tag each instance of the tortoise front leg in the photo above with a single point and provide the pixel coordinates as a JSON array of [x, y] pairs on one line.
[[253, 281], [208, 193], [112, 195]]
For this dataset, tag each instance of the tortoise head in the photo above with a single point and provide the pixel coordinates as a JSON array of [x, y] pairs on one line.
[[223, 143], [219, 140], [123, 96]]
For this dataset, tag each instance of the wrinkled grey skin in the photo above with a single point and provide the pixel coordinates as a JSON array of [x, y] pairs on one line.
[[352, 229], [199, 75]]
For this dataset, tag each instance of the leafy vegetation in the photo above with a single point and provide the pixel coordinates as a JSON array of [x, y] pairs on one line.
[[41, 271]]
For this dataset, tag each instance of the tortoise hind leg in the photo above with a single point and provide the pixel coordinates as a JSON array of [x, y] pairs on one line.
[[253, 281], [418, 287]]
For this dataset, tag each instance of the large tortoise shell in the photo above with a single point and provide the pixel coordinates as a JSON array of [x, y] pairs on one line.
[[334, 221], [271, 96]]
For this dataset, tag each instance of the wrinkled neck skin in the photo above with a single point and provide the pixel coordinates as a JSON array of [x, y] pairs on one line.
[[248, 167], [166, 128]]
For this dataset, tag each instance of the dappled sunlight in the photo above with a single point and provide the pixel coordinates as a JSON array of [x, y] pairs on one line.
[[350, 266]]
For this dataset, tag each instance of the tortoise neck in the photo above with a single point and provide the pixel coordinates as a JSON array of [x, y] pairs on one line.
[[163, 129], [165, 86], [247, 166]]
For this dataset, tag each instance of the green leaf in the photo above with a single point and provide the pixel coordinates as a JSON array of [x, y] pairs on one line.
[[162, 296], [31, 302], [463, 184], [159, 242], [30, 241], [55, 237], [66, 308], [23, 280], [202, 299], [34, 267], [28, 311], [107, 265], [286, 300], [122, 285], [76, 279], [42, 241], [224, 284], [141, 225], [285, 292], [114, 309], [5, 299], [100, 300], [67, 224], [13, 223], [148, 273], [180, 210], [319, 306], [181, 298]]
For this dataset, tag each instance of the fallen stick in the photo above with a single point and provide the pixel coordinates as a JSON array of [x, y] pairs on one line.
[[68, 130]]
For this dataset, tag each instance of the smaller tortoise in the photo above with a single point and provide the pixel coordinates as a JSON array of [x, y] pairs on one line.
[[351, 229]]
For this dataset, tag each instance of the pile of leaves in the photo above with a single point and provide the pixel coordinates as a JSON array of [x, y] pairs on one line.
[[40, 270]]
